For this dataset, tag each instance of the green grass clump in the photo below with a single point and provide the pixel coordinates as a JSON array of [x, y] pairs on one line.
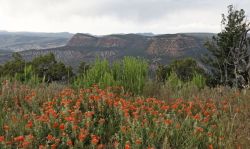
[[130, 72]]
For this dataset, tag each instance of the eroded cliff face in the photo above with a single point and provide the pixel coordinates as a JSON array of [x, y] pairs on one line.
[[82, 40], [172, 46], [163, 45], [111, 42], [84, 47]]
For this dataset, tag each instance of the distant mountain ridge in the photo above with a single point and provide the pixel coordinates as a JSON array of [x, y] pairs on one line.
[[163, 48], [19, 41]]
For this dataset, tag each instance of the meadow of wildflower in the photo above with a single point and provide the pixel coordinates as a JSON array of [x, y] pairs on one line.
[[56, 116]]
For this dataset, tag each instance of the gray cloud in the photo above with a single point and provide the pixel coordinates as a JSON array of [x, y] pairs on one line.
[[111, 16]]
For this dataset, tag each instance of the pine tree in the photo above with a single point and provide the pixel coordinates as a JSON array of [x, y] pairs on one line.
[[228, 57]]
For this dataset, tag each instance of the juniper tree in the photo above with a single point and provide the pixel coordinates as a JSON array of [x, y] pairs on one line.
[[228, 57]]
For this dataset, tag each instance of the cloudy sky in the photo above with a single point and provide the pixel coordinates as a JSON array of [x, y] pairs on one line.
[[115, 16]]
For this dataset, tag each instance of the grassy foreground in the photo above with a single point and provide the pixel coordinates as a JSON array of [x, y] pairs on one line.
[[54, 116]]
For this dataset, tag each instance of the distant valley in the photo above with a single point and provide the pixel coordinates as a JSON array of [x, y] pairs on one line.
[[19, 41]]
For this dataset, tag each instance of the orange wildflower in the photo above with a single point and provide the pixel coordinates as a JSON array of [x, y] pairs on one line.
[[19, 139], [196, 117], [30, 136], [29, 124], [94, 139], [138, 141], [127, 146], [178, 125], [55, 125], [69, 143], [209, 134], [174, 106], [62, 127], [6, 127], [74, 127], [199, 129], [221, 137], [69, 119], [53, 146], [25, 144], [168, 122], [101, 146], [50, 137], [165, 107], [41, 146], [123, 129], [89, 114], [57, 140], [82, 136], [206, 120], [8, 143], [1, 138], [210, 146]]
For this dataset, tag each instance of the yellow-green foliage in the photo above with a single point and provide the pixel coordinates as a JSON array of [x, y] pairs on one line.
[[130, 72]]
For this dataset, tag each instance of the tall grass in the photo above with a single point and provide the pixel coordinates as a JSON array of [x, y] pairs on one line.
[[130, 72], [28, 77], [100, 73]]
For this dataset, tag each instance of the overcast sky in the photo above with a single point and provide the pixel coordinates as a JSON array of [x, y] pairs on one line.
[[115, 16]]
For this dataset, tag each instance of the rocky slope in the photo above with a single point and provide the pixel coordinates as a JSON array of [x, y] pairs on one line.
[[162, 48]]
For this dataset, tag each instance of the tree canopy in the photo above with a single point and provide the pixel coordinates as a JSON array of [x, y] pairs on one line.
[[228, 58]]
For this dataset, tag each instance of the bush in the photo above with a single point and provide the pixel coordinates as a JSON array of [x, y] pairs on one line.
[[185, 69]]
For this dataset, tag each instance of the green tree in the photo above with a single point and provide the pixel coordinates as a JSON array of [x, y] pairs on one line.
[[228, 57], [161, 73], [43, 64], [59, 72], [185, 69], [14, 66], [83, 68], [49, 69]]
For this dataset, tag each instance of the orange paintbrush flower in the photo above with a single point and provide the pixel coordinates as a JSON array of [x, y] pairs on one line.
[[101, 146], [62, 126], [53, 146], [82, 137], [41, 147], [127, 146], [138, 141], [196, 117], [25, 144], [94, 139], [168, 122], [6, 127], [1, 138], [50, 137], [199, 129], [89, 114], [69, 119], [55, 125], [19, 139], [210, 146], [29, 124], [175, 106], [69, 143]]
